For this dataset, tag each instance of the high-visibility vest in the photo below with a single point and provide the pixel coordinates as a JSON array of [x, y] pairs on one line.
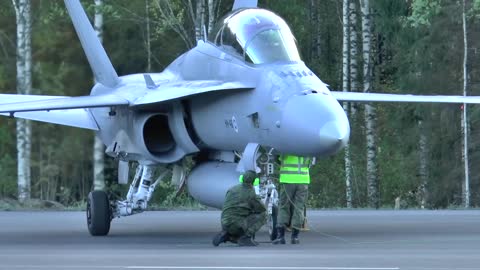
[[256, 182], [295, 170]]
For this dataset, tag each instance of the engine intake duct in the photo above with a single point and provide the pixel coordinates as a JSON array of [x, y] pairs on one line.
[[157, 135]]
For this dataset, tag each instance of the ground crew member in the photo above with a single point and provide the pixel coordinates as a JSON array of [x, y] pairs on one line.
[[294, 180], [243, 214], [256, 184]]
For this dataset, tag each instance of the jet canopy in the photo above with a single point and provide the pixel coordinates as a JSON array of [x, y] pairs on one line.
[[258, 35]]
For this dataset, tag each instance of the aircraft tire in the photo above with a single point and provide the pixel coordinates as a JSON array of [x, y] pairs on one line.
[[272, 223], [98, 213]]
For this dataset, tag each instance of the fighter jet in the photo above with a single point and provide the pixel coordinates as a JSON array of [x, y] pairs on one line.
[[238, 99]]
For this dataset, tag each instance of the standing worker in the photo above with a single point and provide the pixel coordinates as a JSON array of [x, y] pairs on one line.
[[243, 214], [294, 181]]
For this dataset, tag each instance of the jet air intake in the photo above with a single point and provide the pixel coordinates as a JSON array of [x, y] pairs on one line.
[[157, 136]]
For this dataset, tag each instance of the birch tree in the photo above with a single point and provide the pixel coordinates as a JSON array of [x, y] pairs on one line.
[[212, 7], [98, 147], [24, 86], [199, 14], [370, 114], [199, 19], [464, 117], [423, 170], [148, 38], [345, 84], [352, 22], [422, 12]]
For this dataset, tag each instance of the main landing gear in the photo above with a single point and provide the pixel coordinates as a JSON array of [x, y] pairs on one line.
[[99, 214], [101, 211]]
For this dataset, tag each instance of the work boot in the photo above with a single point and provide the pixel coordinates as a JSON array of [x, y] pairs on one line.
[[219, 238], [280, 236], [246, 241], [295, 233]]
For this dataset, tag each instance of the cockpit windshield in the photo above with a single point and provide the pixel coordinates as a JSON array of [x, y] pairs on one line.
[[256, 34]]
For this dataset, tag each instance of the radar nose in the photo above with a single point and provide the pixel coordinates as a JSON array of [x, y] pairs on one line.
[[334, 135], [313, 125]]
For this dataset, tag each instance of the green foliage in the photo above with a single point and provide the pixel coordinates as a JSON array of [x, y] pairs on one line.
[[476, 8], [8, 177], [423, 11], [327, 188]]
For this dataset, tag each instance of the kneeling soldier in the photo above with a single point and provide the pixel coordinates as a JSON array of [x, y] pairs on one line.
[[243, 214]]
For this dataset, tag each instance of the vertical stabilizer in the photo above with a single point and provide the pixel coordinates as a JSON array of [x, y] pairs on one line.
[[97, 57], [244, 4]]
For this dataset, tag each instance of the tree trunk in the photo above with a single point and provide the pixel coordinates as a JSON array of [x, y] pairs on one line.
[[200, 19], [464, 117], [98, 147], [345, 82], [24, 86], [353, 48], [423, 170], [315, 23], [148, 34], [211, 15], [370, 114]]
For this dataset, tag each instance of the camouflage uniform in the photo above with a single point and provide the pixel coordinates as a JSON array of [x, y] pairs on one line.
[[292, 205], [243, 213]]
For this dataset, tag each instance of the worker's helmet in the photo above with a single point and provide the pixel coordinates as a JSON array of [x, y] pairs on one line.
[[249, 177]]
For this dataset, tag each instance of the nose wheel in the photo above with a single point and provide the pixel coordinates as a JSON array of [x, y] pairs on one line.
[[272, 223], [99, 214]]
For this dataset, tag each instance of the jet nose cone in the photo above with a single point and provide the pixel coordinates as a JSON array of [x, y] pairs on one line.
[[334, 136], [313, 125]]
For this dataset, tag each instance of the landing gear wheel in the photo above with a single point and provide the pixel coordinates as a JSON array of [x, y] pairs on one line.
[[272, 223], [98, 213]]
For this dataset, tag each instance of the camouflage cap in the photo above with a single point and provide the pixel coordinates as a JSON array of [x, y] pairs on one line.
[[249, 177]]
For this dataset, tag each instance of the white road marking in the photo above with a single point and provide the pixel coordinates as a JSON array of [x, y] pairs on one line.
[[263, 267], [192, 267]]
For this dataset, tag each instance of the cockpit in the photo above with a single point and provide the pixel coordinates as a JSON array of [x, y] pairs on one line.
[[256, 35]]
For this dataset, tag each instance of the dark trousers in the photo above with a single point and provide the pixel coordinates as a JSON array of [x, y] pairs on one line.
[[246, 226], [292, 204]]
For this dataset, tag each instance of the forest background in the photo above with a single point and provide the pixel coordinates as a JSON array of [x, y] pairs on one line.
[[417, 47]]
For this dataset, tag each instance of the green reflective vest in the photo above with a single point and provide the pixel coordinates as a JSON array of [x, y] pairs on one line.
[[256, 182], [295, 170]]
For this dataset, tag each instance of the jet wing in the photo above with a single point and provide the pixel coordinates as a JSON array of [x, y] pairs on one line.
[[36, 103], [80, 118], [381, 97], [13, 98], [69, 111], [184, 89]]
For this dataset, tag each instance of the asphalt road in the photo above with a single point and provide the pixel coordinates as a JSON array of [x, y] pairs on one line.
[[338, 240]]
